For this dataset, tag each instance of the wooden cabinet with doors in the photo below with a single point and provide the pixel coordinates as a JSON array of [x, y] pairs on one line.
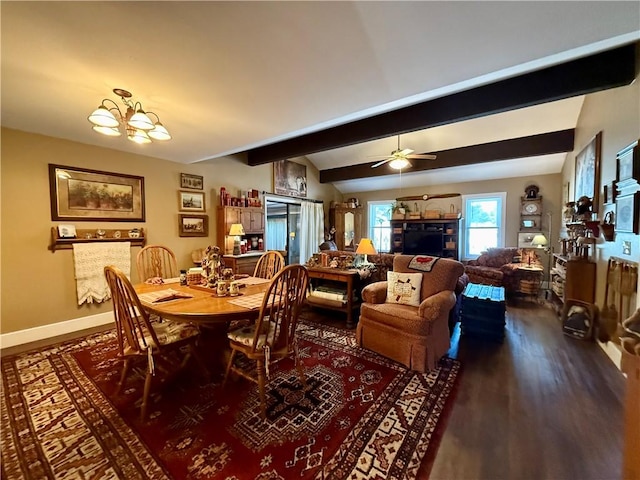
[[348, 222], [251, 219]]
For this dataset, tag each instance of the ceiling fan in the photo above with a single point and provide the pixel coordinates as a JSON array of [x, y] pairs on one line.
[[399, 159]]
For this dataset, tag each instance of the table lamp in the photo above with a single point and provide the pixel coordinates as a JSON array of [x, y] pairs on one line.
[[236, 231], [539, 241], [365, 247]]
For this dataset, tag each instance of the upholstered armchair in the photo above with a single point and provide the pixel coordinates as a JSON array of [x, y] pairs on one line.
[[413, 331]]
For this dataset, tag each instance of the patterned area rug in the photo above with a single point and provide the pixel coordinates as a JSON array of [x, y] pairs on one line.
[[362, 417]]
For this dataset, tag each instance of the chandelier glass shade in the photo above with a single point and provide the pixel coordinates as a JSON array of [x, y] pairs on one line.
[[109, 120]]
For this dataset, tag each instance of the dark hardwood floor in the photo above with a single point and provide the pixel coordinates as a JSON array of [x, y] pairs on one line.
[[541, 405]]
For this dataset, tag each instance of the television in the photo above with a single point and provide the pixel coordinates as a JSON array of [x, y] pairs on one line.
[[422, 243]]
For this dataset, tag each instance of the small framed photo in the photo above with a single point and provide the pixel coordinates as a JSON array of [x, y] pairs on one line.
[[628, 213], [191, 201], [609, 191], [196, 182], [194, 225], [529, 224], [628, 163], [67, 231]]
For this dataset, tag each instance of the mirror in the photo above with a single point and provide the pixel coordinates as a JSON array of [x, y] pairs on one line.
[[349, 230]]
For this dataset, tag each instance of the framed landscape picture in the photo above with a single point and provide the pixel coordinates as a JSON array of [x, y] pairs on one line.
[[193, 225], [195, 182], [191, 201], [82, 194], [587, 180]]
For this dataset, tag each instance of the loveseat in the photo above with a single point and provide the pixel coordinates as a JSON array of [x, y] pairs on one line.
[[384, 263], [502, 267]]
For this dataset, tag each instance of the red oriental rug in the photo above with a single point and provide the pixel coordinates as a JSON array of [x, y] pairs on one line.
[[362, 417]]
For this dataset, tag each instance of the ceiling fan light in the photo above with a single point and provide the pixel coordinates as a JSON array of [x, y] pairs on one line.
[[139, 136], [109, 131], [160, 133], [102, 117], [141, 121], [399, 163]]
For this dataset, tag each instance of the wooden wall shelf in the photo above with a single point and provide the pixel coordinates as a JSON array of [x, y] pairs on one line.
[[59, 243]]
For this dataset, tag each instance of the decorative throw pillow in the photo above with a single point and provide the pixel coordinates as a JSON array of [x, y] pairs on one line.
[[404, 288]]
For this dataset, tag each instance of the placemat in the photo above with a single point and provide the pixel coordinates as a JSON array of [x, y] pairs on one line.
[[249, 301], [162, 296], [253, 281]]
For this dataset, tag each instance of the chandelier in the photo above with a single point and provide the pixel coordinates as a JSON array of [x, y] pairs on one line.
[[108, 120]]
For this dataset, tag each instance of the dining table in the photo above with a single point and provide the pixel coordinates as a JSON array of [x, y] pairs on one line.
[[201, 305]]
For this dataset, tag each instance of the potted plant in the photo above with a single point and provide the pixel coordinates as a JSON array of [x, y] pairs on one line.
[[399, 210]]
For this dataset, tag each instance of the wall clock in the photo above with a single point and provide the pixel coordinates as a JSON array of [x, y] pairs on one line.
[[531, 207]]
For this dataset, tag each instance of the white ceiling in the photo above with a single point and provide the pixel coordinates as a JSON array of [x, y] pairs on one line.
[[228, 76]]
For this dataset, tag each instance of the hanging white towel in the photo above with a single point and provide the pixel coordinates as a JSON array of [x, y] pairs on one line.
[[89, 261]]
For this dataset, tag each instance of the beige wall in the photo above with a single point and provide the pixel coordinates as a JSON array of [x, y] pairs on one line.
[[38, 286], [616, 113]]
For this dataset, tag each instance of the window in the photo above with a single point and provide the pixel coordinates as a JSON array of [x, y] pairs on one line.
[[484, 222], [380, 224]]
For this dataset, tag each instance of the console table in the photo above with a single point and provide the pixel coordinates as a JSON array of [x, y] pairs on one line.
[[349, 278]]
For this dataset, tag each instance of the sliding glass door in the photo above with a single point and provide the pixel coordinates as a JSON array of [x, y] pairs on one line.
[[282, 229]]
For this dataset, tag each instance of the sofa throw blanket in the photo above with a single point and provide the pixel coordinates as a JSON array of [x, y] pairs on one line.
[[89, 261], [424, 263]]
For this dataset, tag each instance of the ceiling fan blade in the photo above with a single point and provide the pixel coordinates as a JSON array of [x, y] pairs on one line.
[[405, 152], [381, 163], [427, 197], [422, 156]]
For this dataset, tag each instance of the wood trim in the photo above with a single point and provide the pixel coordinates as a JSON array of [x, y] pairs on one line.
[[601, 71], [534, 145]]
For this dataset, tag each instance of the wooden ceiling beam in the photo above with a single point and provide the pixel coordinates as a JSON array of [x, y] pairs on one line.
[[609, 69], [530, 146]]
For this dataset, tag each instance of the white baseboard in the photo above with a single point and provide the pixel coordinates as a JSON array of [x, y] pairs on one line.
[[613, 352], [29, 335]]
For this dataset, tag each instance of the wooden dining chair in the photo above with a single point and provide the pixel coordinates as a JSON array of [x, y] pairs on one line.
[[270, 263], [156, 261], [140, 340], [272, 336]]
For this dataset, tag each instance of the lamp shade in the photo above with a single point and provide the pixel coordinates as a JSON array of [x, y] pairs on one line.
[[236, 229], [138, 136], [365, 247], [399, 163], [159, 132], [109, 131], [102, 117], [141, 121], [539, 240]]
